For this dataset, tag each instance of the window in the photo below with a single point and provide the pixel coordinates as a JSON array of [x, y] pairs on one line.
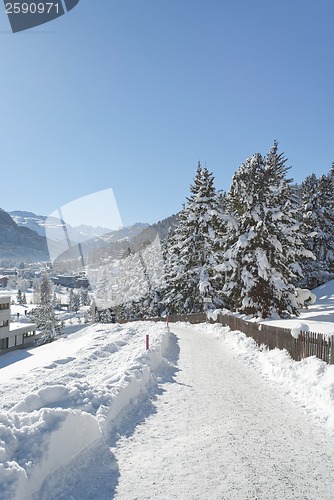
[[4, 306], [4, 343], [28, 334], [4, 323]]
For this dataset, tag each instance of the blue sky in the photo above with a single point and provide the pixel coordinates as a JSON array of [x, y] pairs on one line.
[[130, 95]]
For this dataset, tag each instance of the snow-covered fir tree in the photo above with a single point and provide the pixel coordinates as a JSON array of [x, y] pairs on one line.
[[105, 315], [74, 300], [35, 285], [290, 225], [102, 283], [19, 296], [317, 205], [194, 250], [44, 315], [23, 284], [264, 242], [45, 289], [84, 297], [56, 301], [130, 283], [138, 281]]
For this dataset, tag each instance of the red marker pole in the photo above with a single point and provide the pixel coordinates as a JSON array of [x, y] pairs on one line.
[[147, 342]]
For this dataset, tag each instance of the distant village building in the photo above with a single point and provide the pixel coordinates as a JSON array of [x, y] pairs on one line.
[[17, 337], [8, 272], [70, 281], [3, 281]]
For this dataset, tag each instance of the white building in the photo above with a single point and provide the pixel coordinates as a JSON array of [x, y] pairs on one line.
[[17, 337]]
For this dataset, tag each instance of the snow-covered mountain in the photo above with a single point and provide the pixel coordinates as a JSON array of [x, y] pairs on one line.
[[128, 233], [19, 243], [29, 220], [55, 228], [64, 238]]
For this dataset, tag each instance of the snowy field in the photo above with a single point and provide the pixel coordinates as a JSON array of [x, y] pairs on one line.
[[319, 316], [204, 413]]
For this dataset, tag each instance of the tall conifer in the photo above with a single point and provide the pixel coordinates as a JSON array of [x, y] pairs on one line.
[[192, 282], [317, 207], [264, 242]]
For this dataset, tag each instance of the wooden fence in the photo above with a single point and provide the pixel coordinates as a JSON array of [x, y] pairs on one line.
[[307, 344]]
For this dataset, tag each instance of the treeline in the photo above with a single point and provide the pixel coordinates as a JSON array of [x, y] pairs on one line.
[[251, 249]]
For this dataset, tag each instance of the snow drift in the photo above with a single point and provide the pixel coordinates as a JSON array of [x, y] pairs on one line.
[[309, 382], [54, 407]]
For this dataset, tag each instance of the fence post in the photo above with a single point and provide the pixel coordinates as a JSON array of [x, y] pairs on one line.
[[147, 342]]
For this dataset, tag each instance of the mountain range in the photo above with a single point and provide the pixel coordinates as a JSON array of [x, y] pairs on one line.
[[23, 237], [55, 227], [20, 244]]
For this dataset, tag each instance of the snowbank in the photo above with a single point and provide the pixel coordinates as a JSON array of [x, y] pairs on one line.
[[319, 314], [55, 407], [310, 382], [68, 434], [297, 329]]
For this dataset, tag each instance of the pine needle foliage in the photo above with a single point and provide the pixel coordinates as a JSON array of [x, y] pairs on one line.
[[191, 281], [264, 243]]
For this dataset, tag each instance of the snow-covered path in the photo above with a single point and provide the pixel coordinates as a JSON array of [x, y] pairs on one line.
[[221, 432]]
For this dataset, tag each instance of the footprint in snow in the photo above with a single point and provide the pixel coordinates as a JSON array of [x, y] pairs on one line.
[[64, 361]]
